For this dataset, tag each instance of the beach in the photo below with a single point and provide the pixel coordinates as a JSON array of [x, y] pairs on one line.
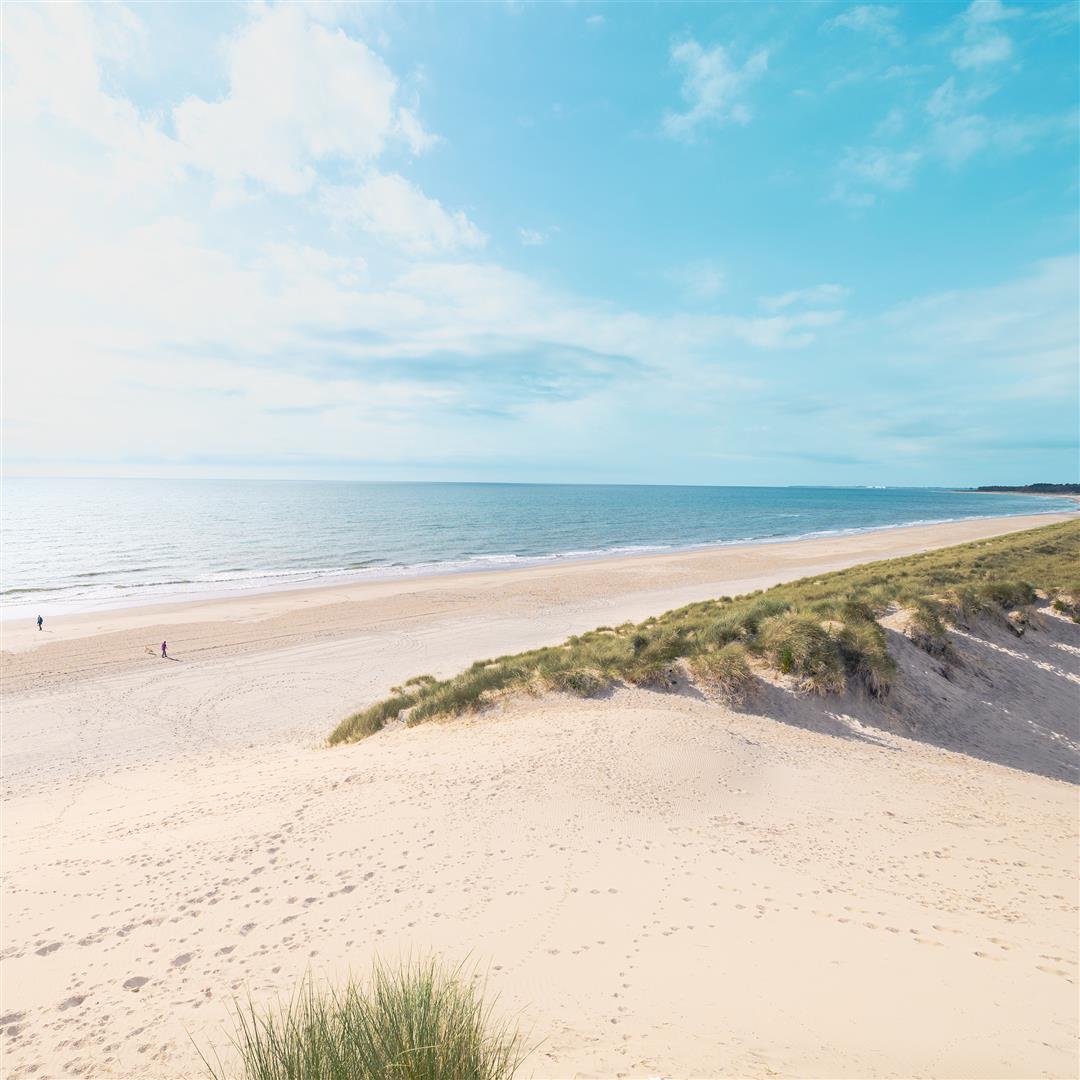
[[653, 884]]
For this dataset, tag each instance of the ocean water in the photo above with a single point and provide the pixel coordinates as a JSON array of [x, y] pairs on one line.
[[71, 545]]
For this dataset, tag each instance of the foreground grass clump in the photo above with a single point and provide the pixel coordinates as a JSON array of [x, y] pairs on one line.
[[823, 631], [419, 1022]]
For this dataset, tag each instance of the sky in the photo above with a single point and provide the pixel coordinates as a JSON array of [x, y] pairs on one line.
[[543, 242]]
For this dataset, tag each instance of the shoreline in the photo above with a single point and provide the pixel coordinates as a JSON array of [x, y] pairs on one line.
[[533, 605], [522, 563]]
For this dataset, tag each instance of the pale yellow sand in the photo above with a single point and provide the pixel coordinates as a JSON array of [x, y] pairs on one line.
[[659, 884]]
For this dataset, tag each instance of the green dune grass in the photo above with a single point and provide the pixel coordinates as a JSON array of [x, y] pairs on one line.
[[822, 630], [420, 1021]]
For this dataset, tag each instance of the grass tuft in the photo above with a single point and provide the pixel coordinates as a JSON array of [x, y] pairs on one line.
[[799, 645], [369, 721], [727, 628], [582, 681], [865, 656], [727, 671], [926, 626], [422, 1021]]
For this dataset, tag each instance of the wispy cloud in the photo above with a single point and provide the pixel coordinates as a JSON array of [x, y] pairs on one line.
[[825, 295], [1062, 17], [714, 87], [987, 49], [862, 173], [396, 211], [877, 20], [537, 237], [891, 124], [956, 123], [905, 71], [959, 129], [984, 43]]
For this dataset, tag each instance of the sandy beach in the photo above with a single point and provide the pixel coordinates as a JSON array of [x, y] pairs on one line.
[[655, 884]]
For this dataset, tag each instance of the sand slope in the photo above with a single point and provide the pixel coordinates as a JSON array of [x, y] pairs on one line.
[[659, 884]]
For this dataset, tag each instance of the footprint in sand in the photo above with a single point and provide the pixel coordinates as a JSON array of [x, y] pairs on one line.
[[1053, 971], [135, 982]]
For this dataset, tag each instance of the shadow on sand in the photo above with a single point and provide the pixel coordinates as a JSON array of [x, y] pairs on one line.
[[1014, 701]]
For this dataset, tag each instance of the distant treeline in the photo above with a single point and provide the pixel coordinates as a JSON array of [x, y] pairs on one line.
[[1036, 489]]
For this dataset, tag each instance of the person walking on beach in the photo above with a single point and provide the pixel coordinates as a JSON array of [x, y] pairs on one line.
[[40, 620], [164, 654]]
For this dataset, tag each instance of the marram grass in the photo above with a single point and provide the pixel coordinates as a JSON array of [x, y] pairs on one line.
[[725, 670], [821, 630], [420, 1021]]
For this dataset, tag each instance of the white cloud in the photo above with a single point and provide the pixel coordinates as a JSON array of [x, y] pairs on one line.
[[989, 49], [537, 237], [413, 132], [1062, 17], [714, 87], [826, 295], [873, 167], [981, 12], [954, 127], [397, 212], [53, 89], [890, 125], [142, 325], [1025, 329], [300, 93], [983, 43], [957, 132], [874, 19], [890, 169], [957, 139], [948, 101]]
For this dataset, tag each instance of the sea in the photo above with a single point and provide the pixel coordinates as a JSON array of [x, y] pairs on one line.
[[82, 544]]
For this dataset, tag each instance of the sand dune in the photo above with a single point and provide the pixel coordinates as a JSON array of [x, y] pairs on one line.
[[656, 883]]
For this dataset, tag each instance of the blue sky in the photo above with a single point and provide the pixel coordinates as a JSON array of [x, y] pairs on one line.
[[739, 243]]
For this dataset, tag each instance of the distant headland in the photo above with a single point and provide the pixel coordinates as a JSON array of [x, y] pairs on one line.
[[1032, 489]]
